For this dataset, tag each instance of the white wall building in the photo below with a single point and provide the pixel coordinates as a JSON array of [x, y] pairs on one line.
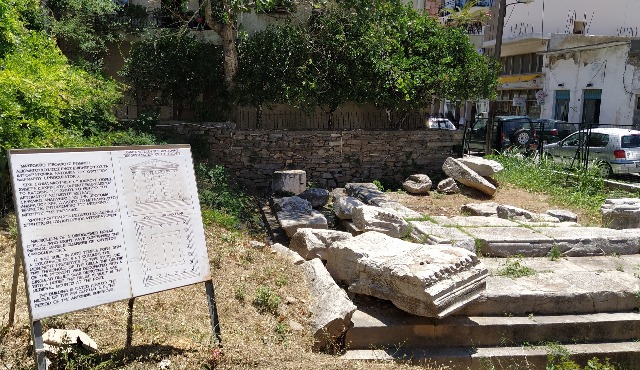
[[570, 59]]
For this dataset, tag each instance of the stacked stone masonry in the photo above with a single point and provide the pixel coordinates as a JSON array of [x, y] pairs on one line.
[[330, 158]]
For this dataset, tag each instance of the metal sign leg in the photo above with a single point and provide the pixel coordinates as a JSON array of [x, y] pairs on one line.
[[213, 310], [14, 287], [129, 323], [38, 345]]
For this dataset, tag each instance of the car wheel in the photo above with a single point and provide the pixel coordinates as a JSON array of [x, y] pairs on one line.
[[522, 137], [605, 170]]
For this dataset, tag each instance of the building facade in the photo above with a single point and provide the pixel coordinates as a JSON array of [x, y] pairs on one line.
[[572, 60]]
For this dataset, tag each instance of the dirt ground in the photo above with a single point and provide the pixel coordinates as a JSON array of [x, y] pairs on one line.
[[436, 204]]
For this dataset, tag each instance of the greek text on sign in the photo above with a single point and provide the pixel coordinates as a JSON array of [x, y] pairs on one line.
[[106, 224]]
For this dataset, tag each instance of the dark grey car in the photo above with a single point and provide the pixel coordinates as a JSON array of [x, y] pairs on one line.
[[508, 132]]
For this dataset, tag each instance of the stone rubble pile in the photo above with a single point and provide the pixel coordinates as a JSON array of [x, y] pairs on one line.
[[439, 272]]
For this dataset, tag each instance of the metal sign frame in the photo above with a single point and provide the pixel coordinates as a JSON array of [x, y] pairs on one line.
[[141, 163]]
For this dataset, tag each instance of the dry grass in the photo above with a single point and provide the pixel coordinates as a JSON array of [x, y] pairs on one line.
[[174, 325]]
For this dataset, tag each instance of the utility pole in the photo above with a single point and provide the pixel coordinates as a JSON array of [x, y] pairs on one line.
[[493, 105]]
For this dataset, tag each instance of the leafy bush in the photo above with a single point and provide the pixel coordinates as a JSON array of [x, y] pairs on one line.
[[175, 67], [229, 205], [45, 101]]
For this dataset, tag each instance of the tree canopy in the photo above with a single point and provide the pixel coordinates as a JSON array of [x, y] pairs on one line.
[[44, 100], [376, 52]]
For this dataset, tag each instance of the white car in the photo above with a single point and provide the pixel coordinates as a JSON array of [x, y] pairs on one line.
[[613, 150], [440, 123]]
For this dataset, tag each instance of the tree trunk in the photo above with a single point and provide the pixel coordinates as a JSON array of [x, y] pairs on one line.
[[226, 30]]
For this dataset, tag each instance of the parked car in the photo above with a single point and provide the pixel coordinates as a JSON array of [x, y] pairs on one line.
[[508, 132], [440, 123], [551, 130], [613, 150]]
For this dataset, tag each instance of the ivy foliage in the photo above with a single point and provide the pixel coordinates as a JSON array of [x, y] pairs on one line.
[[175, 67]]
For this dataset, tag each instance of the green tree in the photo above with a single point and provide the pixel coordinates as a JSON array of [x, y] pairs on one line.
[[222, 17], [83, 28], [274, 67], [174, 67]]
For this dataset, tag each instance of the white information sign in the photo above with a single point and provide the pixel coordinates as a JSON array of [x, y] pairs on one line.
[[106, 224]]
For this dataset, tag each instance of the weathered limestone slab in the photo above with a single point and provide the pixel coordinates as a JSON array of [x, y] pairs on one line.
[[60, 337], [554, 223], [343, 206], [336, 193], [515, 213], [369, 194], [287, 253], [366, 192], [509, 241], [481, 209], [477, 221], [427, 232], [289, 182], [400, 209], [431, 281], [568, 285], [482, 166], [463, 174], [417, 184], [563, 215], [448, 186], [348, 226], [316, 196], [311, 243], [371, 218], [331, 308], [592, 241], [291, 204], [291, 221], [623, 213]]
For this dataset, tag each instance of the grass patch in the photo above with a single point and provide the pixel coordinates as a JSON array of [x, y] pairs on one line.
[[266, 300], [584, 189], [554, 254], [514, 268]]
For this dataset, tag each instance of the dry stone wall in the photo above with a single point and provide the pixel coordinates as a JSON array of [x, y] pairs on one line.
[[330, 158]]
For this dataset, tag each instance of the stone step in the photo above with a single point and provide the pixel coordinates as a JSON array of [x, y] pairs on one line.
[[570, 285], [624, 354], [496, 237], [381, 327]]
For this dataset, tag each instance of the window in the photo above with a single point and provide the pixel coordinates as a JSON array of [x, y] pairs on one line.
[[591, 107], [631, 141], [561, 110], [597, 140], [517, 64], [526, 63], [637, 102], [574, 140]]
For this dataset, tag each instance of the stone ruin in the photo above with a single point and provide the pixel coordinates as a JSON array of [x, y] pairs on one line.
[[427, 266]]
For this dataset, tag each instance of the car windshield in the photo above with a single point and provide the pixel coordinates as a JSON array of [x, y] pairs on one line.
[[510, 126], [631, 141]]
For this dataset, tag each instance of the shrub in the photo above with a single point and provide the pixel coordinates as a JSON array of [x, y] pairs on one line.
[[218, 193]]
